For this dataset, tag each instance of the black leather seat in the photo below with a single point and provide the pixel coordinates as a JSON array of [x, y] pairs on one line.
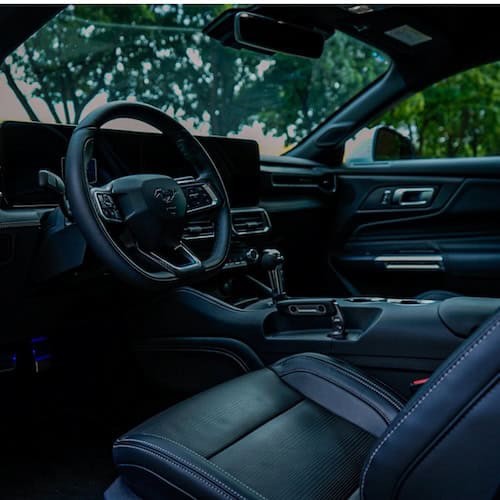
[[311, 427]]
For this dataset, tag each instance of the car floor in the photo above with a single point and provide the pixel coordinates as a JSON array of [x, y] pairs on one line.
[[56, 456], [58, 426]]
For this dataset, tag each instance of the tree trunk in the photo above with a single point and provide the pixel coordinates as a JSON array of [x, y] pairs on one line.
[[213, 99], [47, 100], [20, 96], [421, 139]]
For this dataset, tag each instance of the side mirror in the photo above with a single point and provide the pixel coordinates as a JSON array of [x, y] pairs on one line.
[[378, 144]]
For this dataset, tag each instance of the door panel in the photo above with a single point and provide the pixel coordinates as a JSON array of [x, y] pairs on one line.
[[450, 242]]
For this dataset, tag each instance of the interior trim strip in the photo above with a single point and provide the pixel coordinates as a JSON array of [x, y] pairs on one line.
[[411, 262], [409, 258]]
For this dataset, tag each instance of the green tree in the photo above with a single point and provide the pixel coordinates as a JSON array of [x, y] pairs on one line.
[[312, 90], [159, 55], [457, 117]]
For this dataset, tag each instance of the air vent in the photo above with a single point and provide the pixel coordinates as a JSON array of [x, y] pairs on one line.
[[248, 221], [199, 230]]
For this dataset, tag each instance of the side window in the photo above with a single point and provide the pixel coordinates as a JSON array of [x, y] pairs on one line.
[[457, 117]]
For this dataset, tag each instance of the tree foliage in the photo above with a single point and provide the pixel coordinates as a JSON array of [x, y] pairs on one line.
[[457, 117], [158, 55]]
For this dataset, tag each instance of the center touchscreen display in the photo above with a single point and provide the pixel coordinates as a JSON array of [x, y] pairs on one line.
[[239, 165], [25, 148]]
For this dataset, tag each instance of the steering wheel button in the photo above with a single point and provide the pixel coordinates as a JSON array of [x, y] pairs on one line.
[[198, 197], [105, 200], [108, 207]]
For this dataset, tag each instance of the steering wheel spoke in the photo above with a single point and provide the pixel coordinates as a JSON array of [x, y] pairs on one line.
[[186, 261]]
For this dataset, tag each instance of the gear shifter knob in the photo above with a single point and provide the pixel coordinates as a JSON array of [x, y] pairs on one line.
[[272, 262]]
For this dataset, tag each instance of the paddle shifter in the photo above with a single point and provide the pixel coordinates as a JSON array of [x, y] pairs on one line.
[[272, 262]]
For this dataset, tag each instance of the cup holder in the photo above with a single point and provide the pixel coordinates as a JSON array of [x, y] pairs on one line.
[[366, 299], [410, 302], [404, 301], [407, 302]]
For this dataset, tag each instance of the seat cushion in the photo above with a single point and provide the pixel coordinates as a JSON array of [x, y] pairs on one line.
[[291, 431]]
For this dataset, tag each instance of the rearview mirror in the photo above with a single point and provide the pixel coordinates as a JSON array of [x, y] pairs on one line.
[[271, 35], [378, 144]]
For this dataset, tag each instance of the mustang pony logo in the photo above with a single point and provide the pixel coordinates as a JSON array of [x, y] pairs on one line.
[[167, 196]]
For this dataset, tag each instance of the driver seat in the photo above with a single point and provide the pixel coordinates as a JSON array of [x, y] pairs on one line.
[[312, 427]]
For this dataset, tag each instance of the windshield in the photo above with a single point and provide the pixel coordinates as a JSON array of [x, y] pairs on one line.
[[157, 54]]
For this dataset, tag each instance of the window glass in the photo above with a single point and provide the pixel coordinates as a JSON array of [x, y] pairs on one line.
[[457, 117], [157, 54]]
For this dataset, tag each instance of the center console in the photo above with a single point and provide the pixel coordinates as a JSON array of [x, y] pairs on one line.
[[398, 340]]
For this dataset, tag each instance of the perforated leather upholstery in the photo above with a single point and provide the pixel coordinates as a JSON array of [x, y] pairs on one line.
[[299, 429], [303, 428]]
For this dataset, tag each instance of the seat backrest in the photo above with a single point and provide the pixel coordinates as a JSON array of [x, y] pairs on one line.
[[445, 443]]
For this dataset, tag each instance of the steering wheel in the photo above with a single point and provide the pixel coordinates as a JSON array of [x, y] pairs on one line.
[[135, 223]]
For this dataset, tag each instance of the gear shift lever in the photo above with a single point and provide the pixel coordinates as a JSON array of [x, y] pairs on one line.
[[272, 262]]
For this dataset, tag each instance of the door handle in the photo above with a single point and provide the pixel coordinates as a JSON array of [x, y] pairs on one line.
[[413, 197]]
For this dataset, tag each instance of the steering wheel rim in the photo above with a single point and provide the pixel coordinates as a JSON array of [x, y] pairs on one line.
[[161, 202]]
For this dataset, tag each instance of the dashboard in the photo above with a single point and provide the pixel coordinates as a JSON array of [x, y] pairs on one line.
[[26, 148], [276, 202]]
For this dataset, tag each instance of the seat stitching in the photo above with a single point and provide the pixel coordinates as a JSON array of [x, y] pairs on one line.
[[358, 377], [220, 469], [340, 367], [153, 473], [362, 380], [173, 462], [344, 387], [453, 428], [337, 365], [423, 398], [145, 443]]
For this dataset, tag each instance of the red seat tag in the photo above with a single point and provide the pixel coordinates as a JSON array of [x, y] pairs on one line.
[[419, 382]]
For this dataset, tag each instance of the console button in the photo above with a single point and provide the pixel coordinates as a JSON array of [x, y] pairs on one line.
[[252, 256]]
